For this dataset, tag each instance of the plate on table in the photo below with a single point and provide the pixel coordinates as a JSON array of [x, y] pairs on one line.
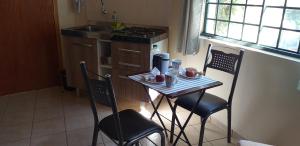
[[183, 75], [154, 81], [151, 79]]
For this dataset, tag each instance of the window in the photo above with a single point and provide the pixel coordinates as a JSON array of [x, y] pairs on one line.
[[269, 24]]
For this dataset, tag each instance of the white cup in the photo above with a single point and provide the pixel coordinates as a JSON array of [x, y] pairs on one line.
[[176, 64], [171, 79]]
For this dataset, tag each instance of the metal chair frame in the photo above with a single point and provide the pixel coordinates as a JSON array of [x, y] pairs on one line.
[[226, 62], [109, 92]]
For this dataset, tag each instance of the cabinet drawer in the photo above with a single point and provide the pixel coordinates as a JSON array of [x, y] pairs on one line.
[[127, 59], [131, 46], [87, 41], [130, 56], [82, 42], [126, 69]]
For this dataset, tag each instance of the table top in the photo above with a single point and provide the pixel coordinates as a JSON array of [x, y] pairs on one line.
[[183, 86]]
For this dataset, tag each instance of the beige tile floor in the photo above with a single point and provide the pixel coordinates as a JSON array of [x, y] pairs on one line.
[[54, 117]]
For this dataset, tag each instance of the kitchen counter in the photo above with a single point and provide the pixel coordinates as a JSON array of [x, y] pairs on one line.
[[148, 35], [132, 33], [88, 31], [119, 53]]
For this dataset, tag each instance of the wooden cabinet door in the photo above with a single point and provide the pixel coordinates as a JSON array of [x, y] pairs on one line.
[[7, 48], [128, 59], [80, 49], [28, 45]]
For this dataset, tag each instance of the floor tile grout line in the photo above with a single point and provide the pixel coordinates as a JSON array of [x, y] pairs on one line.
[[65, 122], [64, 116], [102, 139], [217, 139], [102, 134], [34, 110], [12, 141], [50, 134], [204, 138], [38, 93], [5, 109], [37, 121]]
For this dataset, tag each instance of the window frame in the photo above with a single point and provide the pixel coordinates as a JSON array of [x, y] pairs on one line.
[[259, 25]]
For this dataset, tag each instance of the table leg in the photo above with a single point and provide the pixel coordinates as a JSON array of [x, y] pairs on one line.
[[173, 108], [155, 111], [189, 117], [157, 106]]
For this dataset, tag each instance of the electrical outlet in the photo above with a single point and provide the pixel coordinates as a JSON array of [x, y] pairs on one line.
[[298, 86]]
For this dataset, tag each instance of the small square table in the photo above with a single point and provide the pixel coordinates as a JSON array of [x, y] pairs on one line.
[[184, 86]]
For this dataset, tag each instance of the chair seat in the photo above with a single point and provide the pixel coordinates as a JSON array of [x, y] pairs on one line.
[[208, 105], [134, 125]]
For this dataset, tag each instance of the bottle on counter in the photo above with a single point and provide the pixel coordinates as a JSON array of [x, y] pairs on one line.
[[116, 24]]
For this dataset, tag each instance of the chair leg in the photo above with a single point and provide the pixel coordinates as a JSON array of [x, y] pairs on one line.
[[229, 125], [203, 122], [173, 124], [162, 138], [95, 135], [128, 144]]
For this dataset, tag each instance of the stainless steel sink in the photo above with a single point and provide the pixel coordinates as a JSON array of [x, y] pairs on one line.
[[93, 31]]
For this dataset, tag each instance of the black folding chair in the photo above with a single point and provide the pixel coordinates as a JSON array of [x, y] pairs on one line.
[[209, 104], [126, 127]]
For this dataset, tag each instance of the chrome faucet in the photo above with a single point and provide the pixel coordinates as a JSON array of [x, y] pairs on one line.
[[104, 11]]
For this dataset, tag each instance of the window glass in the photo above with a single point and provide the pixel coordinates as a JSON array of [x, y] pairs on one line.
[[212, 8], [292, 19], [272, 17], [210, 26], [274, 2], [223, 12], [212, 1], [268, 37], [255, 2], [293, 3], [289, 40], [224, 1], [235, 31], [221, 28], [253, 15], [266, 23], [237, 13], [239, 1], [250, 33]]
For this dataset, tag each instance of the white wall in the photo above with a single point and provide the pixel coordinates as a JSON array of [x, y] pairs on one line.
[[266, 103], [146, 12], [67, 15]]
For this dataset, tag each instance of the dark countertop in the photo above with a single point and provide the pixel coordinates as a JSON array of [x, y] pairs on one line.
[[88, 31], [105, 33]]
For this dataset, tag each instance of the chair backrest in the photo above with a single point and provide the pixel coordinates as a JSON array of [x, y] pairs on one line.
[[105, 89], [226, 62]]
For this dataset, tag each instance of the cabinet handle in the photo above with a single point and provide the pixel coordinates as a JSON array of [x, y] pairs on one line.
[[83, 45], [127, 50], [130, 65]]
